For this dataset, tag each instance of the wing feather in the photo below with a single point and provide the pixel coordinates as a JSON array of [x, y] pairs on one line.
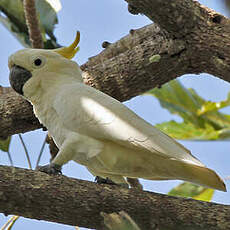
[[88, 111]]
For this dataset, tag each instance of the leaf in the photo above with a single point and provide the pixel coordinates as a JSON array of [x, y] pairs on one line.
[[19, 35], [47, 16], [14, 21], [214, 106], [175, 94], [155, 58], [205, 195], [5, 144], [186, 189], [55, 4], [196, 192], [201, 118], [178, 100], [13, 9], [188, 131]]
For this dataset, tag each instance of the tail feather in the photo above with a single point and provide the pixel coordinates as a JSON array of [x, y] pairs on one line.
[[196, 174], [204, 176]]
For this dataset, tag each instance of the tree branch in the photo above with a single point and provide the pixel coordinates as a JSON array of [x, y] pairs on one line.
[[32, 24], [204, 31], [192, 44], [74, 202], [178, 17], [16, 114], [123, 71]]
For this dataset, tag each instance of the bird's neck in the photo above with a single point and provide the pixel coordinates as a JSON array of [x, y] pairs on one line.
[[39, 91]]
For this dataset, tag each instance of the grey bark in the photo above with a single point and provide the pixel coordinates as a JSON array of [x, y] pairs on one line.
[[190, 38], [75, 202]]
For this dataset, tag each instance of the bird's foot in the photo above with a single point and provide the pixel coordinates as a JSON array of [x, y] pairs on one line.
[[51, 169], [100, 180]]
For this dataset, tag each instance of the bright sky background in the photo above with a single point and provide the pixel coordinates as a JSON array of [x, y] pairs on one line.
[[101, 20]]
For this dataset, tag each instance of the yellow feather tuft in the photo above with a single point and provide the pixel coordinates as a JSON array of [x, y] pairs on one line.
[[70, 51]]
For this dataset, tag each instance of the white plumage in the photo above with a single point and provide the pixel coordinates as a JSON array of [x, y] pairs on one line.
[[98, 131]]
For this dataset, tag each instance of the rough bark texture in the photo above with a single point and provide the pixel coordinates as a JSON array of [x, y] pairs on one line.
[[74, 202], [190, 39], [204, 31], [123, 70], [32, 24], [16, 114]]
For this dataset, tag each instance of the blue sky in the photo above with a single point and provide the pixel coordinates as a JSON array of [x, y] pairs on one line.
[[101, 20]]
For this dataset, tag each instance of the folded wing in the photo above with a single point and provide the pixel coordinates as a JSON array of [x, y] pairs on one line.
[[90, 112]]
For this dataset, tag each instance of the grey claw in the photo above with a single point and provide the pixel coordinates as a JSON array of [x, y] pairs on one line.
[[100, 180], [51, 169]]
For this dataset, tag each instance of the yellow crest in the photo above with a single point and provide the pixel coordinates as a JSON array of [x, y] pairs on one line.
[[70, 51]]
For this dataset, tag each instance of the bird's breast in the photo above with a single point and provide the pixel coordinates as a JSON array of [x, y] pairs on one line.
[[48, 117]]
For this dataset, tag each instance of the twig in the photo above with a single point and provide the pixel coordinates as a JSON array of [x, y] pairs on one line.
[[32, 24], [41, 151], [10, 158], [8, 225], [26, 151], [14, 219]]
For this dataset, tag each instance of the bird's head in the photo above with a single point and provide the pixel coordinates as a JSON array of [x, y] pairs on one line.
[[30, 68]]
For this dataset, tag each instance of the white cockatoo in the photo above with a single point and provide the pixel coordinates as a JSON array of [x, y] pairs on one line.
[[96, 130]]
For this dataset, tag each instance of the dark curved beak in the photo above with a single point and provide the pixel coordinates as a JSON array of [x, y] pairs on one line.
[[18, 77]]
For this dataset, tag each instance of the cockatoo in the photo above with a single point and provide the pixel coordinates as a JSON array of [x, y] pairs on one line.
[[94, 129]]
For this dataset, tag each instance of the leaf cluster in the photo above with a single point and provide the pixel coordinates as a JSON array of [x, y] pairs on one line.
[[13, 18], [202, 119]]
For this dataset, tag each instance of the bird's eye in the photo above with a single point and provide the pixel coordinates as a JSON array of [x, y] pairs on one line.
[[37, 62]]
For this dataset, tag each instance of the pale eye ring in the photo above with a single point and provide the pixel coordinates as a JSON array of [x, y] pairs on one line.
[[38, 62]]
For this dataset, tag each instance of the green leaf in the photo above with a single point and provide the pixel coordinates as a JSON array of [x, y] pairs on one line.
[[176, 95], [205, 195], [5, 144], [155, 58], [201, 118], [178, 100], [14, 21], [188, 131], [186, 189], [224, 134], [196, 192], [22, 37], [214, 106], [13, 9]]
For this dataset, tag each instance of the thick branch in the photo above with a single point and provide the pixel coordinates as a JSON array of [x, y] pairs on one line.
[[205, 32], [178, 17], [74, 202], [123, 70], [16, 114]]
